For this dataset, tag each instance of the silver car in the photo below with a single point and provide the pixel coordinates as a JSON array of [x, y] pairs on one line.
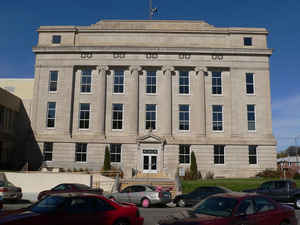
[[144, 195], [8, 191]]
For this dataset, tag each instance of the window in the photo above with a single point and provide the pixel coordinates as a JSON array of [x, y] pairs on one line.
[[51, 114], [184, 82], [217, 114], [119, 81], [246, 207], [56, 39], [48, 149], [216, 83], [85, 83], [84, 116], [262, 204], [151, 82], [249, 83], [219, 154], [80, 152], [115, 152], [117, 116], [53, 80], [150, 116], [247, 41], [184, 117], [184, 154], [252, 154], [251, 117]]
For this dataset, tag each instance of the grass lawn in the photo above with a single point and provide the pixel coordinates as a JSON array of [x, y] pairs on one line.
[[233, 184]]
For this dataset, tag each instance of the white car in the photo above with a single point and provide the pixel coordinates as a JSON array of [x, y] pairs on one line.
[[8, 191]]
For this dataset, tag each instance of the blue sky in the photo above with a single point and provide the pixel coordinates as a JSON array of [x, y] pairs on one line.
[[20, 19]]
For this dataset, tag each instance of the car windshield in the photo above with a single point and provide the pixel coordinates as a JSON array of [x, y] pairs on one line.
[[216, 206], [81, 186], [49, 204], [151, 187]]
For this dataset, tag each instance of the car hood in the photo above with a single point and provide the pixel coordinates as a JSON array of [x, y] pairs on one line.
[[16, 215], [188, 217]]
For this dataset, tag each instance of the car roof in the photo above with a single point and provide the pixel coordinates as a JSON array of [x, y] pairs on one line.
[[76, 194], [236, 195]]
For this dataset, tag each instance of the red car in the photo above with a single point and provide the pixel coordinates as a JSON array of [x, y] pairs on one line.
[[235, 209], [70, 187], [74, 209]]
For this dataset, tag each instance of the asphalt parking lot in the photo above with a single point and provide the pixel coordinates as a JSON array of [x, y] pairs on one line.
[[151, 215]]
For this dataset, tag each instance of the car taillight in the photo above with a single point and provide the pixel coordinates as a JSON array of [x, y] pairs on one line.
[[3, 189]]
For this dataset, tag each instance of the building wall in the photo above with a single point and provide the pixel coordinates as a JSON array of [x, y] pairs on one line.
[[167, 46]]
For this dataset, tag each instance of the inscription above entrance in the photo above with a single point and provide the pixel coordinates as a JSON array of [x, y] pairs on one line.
[[150, 151]]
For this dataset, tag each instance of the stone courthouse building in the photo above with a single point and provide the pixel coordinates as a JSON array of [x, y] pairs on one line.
[[154, 91]]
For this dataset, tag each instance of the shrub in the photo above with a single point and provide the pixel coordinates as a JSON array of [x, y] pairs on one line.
[[112, 172], [209, 175], [188, 175], [106, 165], [193, 167], [269, 173]]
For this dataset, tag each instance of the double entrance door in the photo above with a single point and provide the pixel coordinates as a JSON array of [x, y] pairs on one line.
[[150, 160]]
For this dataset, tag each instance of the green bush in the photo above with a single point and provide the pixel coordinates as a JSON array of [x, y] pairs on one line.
[[296, 176], [107, 165], [209, 175], [193, 167]]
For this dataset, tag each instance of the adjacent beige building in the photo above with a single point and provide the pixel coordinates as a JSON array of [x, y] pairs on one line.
[[154, 91]]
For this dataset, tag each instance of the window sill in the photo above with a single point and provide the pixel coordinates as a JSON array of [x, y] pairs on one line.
[[86, 93], [81, 162]]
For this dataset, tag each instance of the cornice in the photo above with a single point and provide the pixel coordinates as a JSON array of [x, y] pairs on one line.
[[136, 49]]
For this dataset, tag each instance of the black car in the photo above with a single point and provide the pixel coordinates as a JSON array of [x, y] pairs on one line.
[[197, 195]]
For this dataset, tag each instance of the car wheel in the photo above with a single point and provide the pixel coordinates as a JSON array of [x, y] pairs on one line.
[[145, 203], [297, 203], [121, 222], [181, 203]]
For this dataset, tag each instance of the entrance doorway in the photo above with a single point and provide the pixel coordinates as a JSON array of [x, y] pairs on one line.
[[150, 160]]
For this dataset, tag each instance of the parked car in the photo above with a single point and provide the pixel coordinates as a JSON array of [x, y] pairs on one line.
[[235, 209], [284, 191], [9, 191], [74, 209], [70, 187], [197, 195], [144, 195], [1, 203]]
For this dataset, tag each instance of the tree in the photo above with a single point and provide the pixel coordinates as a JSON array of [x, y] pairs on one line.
[[193, 167], [107, 165]]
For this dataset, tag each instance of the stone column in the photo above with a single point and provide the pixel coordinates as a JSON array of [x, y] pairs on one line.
[[165, 107], [199, 120], [101, 96], [133, 103]]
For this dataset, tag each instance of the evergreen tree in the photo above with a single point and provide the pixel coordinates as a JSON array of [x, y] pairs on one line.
[[193, 167], [107, 165]]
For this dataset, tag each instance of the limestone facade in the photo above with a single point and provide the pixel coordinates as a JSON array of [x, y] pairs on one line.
[[154, 91]]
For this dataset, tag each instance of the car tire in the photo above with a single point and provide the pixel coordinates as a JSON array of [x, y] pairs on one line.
[[181, 203], [297, 203], [121, 222], [145, 203]]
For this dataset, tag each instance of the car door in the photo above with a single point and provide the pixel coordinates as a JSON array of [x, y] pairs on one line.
[[123, 196], [266, 211], [138, 192], [245, 213], [266, 188], [280, 192]]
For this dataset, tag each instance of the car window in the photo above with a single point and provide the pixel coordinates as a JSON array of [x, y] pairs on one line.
[[48, 204], [76, 205], [246, 207], [81, 186], [140, 189], [262, 204], [60, 187], [100, 204], [126, 190], [2, 183], [280, 184], [199, 190], [268, 185]]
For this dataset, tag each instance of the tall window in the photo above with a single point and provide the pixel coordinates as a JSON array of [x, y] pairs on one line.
[[217, 117], [247, 41], [51, 114], [251, 117], [119, 81], [86, 79], [84, 116], [184, 117], [216, 82], [219, 154], [56, 39], [151, 82], [47, 151], [80, 152], [151, 116], [53, 77], [184, 154], [117, 116], [249, 83], [184, 82], [252, 154], [115, 152]]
